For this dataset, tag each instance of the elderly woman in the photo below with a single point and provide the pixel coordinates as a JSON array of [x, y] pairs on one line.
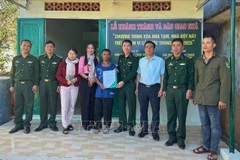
[[68, 78]]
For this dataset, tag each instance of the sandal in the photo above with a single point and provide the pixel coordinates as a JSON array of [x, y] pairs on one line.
[[70, 127], [213, 155], [200, 150], [96, 131], [106, 131], [65, 130]]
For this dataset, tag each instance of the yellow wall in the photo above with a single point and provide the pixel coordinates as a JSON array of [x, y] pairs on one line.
[[121, 9]]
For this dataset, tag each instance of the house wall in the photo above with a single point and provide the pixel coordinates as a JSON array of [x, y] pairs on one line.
[[225, 48], [121, 9]]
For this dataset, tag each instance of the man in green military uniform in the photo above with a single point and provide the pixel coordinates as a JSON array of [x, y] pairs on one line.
[[127, 66], [212, 93], [48, 88], [178, 86], [24, 80]]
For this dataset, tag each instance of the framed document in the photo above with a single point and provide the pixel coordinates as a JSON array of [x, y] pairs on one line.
[[110, 79]]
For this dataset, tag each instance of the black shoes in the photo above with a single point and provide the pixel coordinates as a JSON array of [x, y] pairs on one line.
[[26, 130], [54, 128], [181, 145], [155, 136], [170, 142], [120, 129], [131, 132], [142, 133], [15, 129], [41, 127]]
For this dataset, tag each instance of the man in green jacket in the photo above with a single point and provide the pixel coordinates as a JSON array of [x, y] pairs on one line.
[[48, 87], [24, 80], [178, 86], [127, 66], [212, 93]]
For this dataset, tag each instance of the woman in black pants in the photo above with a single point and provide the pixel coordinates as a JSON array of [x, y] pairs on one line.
[[86, 69]]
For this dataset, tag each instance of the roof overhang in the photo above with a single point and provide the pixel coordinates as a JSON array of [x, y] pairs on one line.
[[223, 15]]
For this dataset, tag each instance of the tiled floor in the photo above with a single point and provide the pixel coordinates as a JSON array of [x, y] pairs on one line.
[[82, 145]]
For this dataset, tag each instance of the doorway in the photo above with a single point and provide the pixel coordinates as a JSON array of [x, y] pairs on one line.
[[67, 33]]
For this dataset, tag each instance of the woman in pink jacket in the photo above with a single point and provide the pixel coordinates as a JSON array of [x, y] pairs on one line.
[[87, 71]]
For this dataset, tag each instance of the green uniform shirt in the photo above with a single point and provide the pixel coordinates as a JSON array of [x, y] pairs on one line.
[[212, 80], [127, 67], [48, 67], [24, 69], [179, 71]]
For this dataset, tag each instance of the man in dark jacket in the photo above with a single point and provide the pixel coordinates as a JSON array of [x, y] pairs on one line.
[[212, 93]]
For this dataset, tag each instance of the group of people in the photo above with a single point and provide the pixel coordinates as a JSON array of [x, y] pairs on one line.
[[176, 78]]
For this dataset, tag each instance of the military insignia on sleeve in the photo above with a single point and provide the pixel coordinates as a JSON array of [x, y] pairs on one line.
[[58, 56], [227, 64]]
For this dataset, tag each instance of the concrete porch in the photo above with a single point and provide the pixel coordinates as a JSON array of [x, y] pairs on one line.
[[82, 145]]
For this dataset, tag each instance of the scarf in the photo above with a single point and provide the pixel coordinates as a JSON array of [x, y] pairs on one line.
[[70, 69], [91, 65]]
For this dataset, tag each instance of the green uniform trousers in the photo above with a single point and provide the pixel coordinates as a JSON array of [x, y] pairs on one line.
[[127, 94], [23, 95], [48, 96], [177, 105]]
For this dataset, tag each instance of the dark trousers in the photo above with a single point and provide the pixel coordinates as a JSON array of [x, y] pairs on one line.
[[146, 94], [23, 95], [87, 102], [177, 105], [103, 109], [48, 96], [127, 93]]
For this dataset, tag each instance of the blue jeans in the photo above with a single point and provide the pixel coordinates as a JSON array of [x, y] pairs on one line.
[[211, 126]]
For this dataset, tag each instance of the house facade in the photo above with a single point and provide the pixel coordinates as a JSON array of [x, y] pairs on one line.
[[105, 23]]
